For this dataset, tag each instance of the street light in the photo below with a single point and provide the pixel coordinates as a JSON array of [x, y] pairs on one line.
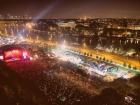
[[29, 26], [63, 46], [37, 38], [84, 44]]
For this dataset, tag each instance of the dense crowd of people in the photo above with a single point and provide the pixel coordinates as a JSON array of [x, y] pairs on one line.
[[49, 81]]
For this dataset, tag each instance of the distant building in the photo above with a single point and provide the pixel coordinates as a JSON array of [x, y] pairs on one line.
[[70, 24]]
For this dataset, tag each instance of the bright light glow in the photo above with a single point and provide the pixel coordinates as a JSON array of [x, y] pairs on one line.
[[15, 51], [1, 57], [84, 44], [63, 46], [12, 55], [16, 54], [108, 72], [35, 57], [29, 25], [64, 57], [31, 58], [8, 54], [25, 55]]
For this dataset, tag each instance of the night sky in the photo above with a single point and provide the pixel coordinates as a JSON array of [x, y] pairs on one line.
[[72, 8]]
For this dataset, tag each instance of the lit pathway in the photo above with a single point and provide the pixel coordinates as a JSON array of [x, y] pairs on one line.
[[115, 58], [109, 56]]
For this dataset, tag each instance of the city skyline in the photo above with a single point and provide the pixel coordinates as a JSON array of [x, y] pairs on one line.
[[71, 8]]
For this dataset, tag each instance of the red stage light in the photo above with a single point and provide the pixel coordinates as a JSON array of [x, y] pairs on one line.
[[16, 54]]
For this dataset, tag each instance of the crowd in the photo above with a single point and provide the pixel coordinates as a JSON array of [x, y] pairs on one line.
[[59, 83]]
